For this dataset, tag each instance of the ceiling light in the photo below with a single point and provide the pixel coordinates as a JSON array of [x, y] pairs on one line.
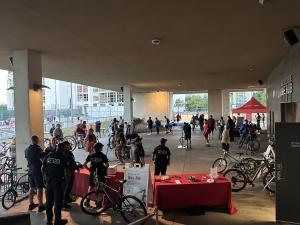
[[179, 85], [250, 69], [156, 41]]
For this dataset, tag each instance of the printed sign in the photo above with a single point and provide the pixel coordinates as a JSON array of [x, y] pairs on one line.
[[137, 183]]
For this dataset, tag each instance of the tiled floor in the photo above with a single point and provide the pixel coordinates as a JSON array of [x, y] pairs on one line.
[[255, 206]]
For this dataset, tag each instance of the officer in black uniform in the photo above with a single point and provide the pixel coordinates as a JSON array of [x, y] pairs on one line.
[[161, 157], [54, 166], [98, 164], [71, 166]]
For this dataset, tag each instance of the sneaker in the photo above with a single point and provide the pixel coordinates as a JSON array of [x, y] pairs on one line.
[[61, 222], [67, 206], [32, 206], [41, 208]]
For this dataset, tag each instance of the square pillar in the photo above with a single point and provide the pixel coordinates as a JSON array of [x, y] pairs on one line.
[[128, 111], [225, 103], [215, 103], [29, 119], [171, 117]]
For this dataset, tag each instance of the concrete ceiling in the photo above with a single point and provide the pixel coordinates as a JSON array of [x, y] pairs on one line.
[[205, 44]]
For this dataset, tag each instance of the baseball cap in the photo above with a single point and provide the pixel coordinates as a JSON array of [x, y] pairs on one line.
[[162, 140]]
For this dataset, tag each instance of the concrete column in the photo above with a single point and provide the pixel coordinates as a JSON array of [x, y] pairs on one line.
[[28, 102], [225, 103], [128, 111], [215, 103], [170, 106]]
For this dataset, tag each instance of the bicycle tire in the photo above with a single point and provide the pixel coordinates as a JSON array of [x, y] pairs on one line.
[[237, 177], [129, 199], [218, 162], [271, 174], [254, 145], [11, 196], [72, 140], [89, 196], [248, 166]]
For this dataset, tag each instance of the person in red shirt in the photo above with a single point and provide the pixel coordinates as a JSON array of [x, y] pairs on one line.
[[206, 132], [211, 125]]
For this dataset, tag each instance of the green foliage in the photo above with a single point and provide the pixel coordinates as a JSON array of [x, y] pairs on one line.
[[3, 106], [196, 102], [179, 103], [261, 96]]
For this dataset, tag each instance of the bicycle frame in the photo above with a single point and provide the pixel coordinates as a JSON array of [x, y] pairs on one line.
[[102, 186], [258, 171]]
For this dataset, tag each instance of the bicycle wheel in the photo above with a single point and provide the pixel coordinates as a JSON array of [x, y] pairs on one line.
[[248, 166], [220, 164], [9, 199], [269, 181], [94, 203], [132, 209], [72, 141], [237, 178], [254, 145]]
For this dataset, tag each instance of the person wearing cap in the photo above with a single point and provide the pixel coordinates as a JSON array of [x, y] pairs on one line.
[[161, 158], [138, 153], [187, 129], [98, 164], [71, 166], [54, 166]]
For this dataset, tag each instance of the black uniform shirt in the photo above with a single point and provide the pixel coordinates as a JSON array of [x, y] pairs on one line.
[[162, 154], [70, 161], [54, 166], [138, 152], [97, 161]]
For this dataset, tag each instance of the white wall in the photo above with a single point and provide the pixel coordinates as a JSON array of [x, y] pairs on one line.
[[154, 104], [289, 65]]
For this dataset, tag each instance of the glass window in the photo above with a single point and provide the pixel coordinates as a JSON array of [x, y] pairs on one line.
[[103, 98]]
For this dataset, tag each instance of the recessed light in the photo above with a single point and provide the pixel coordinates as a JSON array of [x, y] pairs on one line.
[[156, 41], [179, 85], [250, 69]]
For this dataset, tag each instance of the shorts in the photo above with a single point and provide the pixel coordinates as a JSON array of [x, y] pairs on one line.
[[92, 180], [187, 137], [36, 180]]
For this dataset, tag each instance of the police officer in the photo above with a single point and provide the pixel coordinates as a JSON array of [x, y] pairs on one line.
[[54, 169], [161, 157], [98, 164], [71, 166], [34, 155]]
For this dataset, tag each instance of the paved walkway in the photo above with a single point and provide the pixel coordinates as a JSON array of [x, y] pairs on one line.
[[255, 206]]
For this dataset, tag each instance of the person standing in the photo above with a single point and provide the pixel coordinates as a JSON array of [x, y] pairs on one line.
[[225, 139], [54, 170], [71, 166], [211, 125], [89, 141], [57, 133], [231, 128], [263, 119], [34, 155], [52, 129], [120, 143], [98, 164], [150, 124], [206, 132], [139, 152], [167, 126], [98, 128], [157, 125], [258, 118], [161, 158], [178, 117], [51, 147], [201, 122], [221, 124], [187, 129]]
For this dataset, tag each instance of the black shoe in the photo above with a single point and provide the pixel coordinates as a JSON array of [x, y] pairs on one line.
[[61, 222], [32, 206], [49, 223], [66, 206], [42, 208]]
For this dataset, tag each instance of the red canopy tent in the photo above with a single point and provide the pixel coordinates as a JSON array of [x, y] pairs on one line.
[[252, 106]]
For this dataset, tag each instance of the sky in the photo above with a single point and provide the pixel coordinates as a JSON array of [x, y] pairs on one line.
[[3, 84]]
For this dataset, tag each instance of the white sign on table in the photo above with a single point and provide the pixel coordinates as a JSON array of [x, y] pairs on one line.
[[137, 183]]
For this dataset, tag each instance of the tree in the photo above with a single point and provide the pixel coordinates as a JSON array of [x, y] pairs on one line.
[[3, 106], [178, 104], [195, 103], [261, 96]]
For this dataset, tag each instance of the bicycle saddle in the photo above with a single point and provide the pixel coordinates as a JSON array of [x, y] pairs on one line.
[[240, 153]]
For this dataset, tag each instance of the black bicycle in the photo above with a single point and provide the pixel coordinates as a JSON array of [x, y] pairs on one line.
[[100, 200], [18, 187]]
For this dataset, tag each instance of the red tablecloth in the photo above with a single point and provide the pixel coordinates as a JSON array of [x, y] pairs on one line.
[[169, 195], [81, 181]]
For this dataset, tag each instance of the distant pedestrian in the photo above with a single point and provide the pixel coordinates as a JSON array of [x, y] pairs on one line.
[[52, 129], [150, 124], [206, 132], [263, 119], [89, 141], [201, 122], [225, 139], [258, 118], [98, 128], [230, 124], [157, 125], [187, 129], [221, 125], [211, 125], [161, 157], [57, 133], [178, 118]]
